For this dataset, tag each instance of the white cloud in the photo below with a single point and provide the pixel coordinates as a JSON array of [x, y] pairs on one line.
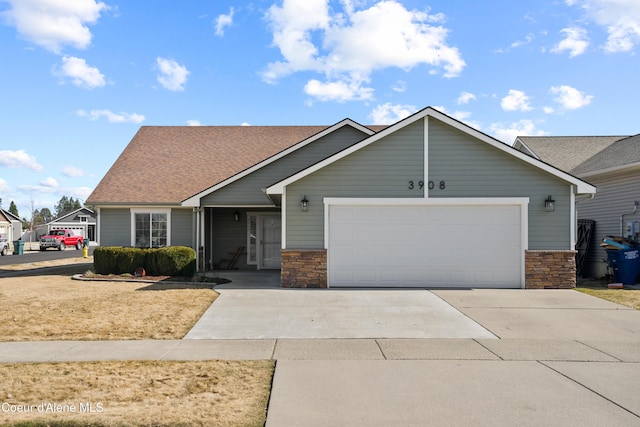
[[388, 113], [508, 133], [459, 115], [245, 124], [194, 123], [338, 90], [53, 24], [348, 46], [548, 110], [465, 97], [528, 39], [49, 182], [576, 42], [72, 171], [620, 18], [172, 76], [570, 98], [223, 21], [81, 74], [400, 86], [4, 186], [515, 101], [19, 159], [111, 116]]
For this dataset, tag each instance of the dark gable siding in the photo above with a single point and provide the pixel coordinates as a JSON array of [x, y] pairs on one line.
[[248, 190]]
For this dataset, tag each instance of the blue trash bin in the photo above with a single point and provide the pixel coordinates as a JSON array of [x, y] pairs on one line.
[[625, 264]]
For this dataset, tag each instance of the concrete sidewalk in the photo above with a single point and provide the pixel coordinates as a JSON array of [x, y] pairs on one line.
[[554, 358], [412, 382]]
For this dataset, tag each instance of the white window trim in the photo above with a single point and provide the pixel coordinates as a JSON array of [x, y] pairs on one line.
[[149, 211]]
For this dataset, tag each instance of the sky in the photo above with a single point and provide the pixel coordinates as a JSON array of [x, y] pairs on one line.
[[79, 78]]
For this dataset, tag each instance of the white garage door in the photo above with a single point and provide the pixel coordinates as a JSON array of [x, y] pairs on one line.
[[476, 246]]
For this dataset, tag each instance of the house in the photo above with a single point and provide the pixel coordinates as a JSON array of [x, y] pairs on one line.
[[82, 221], [10, 226], [427, 201], [612, 163]]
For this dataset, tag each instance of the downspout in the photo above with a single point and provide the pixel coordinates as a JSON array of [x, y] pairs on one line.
[[635, 208]]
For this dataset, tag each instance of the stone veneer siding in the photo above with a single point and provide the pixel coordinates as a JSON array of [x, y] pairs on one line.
[[304, 268], [550, 269]]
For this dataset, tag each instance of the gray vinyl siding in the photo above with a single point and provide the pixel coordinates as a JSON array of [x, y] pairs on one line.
[[615, 196], [471, 168], [115, 227], [182, 227], [381, 169], [248, 190], [468, 168]]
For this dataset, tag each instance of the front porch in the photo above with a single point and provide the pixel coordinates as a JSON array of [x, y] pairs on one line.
[[242, 239]]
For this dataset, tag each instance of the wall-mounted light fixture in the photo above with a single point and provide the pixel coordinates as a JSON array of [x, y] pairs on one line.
[[549, 204], [304, 204], [236, 216]]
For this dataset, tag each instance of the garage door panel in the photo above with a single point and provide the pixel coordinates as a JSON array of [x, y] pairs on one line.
[[440, 246]]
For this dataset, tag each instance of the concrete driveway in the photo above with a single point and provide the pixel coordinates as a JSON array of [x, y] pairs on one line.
[[324, 313], [276, 313]]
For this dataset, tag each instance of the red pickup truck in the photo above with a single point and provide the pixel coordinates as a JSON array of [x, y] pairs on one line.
[[60, 239]]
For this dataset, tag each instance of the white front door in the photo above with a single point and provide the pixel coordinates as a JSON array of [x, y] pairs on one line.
[[270, 243]]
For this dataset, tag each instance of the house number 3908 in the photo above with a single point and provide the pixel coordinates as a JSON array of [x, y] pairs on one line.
[[431, 185]]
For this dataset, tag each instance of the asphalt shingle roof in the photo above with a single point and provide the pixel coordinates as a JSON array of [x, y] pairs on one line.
[[621, 153], [568, 152], [169, 164]]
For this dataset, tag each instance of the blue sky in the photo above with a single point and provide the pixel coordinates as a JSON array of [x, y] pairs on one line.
[[78, 78]]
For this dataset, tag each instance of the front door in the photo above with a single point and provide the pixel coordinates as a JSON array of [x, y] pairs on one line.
[[270, 242]]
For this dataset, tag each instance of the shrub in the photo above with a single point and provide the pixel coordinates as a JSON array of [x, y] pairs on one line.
[[168, 261]]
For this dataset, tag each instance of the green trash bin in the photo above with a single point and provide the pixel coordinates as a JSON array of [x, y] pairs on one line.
[[18, 247]]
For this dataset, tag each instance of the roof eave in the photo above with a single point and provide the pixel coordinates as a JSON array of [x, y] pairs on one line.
[[614, 169]]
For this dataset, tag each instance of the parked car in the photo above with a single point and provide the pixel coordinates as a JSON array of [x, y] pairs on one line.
[[4, 246], [60, 239]]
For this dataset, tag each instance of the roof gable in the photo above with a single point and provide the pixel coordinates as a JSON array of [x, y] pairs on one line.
[[427, 113], [195, 199], [8, 216], [70, 216]]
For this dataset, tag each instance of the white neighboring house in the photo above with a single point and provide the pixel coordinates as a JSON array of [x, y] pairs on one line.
[[10, 227]]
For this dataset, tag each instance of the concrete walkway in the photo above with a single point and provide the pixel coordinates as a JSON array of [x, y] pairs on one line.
[[554, 358]]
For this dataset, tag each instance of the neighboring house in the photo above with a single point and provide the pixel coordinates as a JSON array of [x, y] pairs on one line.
[[612, 164], [82, 221], [427, 201], [10, 226]]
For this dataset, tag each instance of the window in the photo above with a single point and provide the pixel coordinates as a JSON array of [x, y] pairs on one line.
[[83, 219], [150, 229]]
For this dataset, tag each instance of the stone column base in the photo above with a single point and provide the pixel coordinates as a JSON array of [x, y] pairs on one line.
[[304, 268], [550, 269]]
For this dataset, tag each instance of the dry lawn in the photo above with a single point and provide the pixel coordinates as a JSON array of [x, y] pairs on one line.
[[627, 297], [55, 307], [51, 306], [210, 393]]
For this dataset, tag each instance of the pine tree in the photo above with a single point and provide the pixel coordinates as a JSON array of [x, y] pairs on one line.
[[14, 209]]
